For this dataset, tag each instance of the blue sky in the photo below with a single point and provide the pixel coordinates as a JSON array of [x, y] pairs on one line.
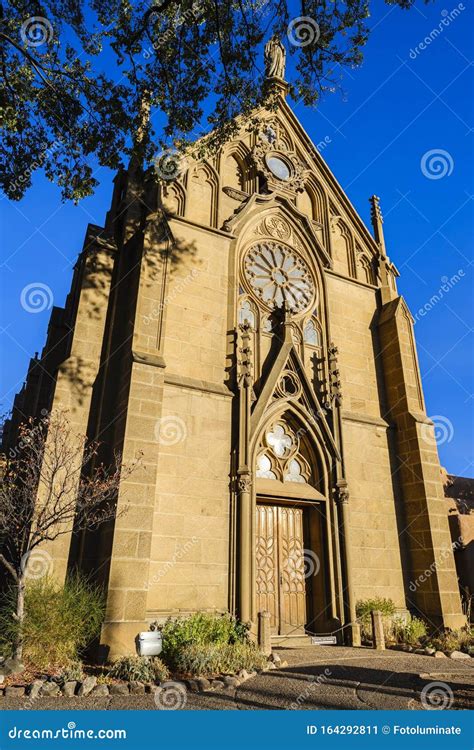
[[403, 103]]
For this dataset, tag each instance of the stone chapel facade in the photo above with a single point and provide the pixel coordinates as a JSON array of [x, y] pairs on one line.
[[241, 327]]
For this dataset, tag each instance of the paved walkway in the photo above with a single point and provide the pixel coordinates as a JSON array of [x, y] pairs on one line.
[[318, 678]]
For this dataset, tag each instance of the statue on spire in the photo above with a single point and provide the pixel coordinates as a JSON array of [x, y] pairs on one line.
[[275, 59]]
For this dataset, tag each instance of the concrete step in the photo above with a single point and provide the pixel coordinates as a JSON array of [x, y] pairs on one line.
[[291, 641]]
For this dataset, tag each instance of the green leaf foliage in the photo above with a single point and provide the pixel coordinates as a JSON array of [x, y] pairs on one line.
[[78, 77]]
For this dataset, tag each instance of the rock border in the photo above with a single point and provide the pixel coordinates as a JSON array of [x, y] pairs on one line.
[[90, 686], [428, 651]]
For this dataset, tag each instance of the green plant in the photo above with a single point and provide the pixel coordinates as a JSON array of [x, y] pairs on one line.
[[72, 671], [140, 669], [454, 640], [410, 633], [217, 658], [200, 629], [60, 621], [104, 679], [364, 607]]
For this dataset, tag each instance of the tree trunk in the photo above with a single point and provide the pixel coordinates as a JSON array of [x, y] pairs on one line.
[[20, 614]]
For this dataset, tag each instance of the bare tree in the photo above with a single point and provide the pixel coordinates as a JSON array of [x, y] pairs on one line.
[[50, 485]]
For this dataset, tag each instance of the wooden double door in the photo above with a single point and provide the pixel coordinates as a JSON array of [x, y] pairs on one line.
[[282, 571]]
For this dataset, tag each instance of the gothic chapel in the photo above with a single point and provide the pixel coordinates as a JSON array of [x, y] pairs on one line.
[[241, 327]]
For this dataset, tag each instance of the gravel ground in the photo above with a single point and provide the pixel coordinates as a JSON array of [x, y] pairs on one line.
[[316, 678]]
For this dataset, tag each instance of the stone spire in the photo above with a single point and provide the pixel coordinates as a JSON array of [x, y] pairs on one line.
[[377, 222]]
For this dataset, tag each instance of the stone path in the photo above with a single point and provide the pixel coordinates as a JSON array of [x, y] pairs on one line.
[[316, 678]]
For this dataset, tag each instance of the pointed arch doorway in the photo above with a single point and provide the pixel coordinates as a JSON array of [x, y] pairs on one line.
[[290, 560]]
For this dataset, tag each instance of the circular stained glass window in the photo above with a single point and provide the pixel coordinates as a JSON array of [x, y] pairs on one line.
[[278, 167], [277, 275]]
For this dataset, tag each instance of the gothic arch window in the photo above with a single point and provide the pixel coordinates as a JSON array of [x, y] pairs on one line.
[[173, 198], [202, 195], [320, 210], [265, 467], [342, 247], [247, 313], [366, 271], [284, 455], [233, 172], [297, 470], [312, 333]]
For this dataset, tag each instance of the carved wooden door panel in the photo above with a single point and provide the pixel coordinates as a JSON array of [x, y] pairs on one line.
[[281, 586], [292, 570], [267, 563]]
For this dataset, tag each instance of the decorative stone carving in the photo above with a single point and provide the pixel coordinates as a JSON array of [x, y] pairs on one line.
[[280, 456], [237, 195], [245, 359], [292, 181], [275, 59], [277, 227], [244, 483], [334, 373], [341, 492], [288, 386], [278, 276]]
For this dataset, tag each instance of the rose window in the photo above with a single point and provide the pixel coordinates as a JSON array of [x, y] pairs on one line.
[[278, 275]]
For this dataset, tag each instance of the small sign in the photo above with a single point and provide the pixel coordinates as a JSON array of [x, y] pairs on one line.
[[323, 640]]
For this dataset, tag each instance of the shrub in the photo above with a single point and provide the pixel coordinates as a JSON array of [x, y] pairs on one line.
[[455, 640], [200, 629], [217, 658], [60, 621], [140, 669], [363, 611], [72, 671], [411, 632]]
